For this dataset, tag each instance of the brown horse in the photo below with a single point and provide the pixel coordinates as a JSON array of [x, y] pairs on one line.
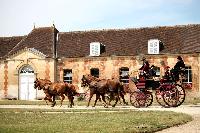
[[100, 87], [40, 84], [57, 88]]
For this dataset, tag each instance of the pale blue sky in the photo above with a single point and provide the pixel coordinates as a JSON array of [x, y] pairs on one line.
[[19, 16]]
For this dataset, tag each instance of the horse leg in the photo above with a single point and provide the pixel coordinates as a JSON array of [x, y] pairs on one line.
[[122, 96], [45, 99], [103, 98], [71, 98], [111, 98], [48, 98], [54, 101], [62, 98], [119, 100], [100, 99], [97, 98], [116, 100], [91, 95]]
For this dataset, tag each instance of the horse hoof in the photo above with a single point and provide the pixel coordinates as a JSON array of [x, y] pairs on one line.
[[113, 105], [105, 106], [93, 106], [53, 104]]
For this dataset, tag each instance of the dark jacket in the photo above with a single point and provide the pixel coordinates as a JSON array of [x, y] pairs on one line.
[[180, 64]]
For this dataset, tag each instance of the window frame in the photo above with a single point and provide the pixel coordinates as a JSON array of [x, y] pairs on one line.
[[67, 73], [93, 72], [188, 75], [123, 75]]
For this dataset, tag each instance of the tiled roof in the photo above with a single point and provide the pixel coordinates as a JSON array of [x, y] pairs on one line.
[[41, 39], [176, 39], [7, 43]]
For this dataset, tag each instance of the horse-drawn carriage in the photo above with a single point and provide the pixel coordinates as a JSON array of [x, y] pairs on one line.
[[168, 92]]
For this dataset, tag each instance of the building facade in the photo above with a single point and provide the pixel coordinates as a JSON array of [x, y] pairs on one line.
[[66, 56]]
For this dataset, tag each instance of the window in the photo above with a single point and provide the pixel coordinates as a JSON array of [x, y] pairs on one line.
[[94, 72], [188, 75], [155, 46], [67, 76], [27, 69], [124, 75], [96, 48]]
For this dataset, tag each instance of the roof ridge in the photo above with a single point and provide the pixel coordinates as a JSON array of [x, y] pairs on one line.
[[12, 36], [123, 29], [37, 28]]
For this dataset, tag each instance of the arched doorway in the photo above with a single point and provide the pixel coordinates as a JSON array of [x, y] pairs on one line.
[[26, 83]]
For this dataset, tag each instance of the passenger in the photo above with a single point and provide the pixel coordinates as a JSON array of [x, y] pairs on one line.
[[167, 75], [145, 67], [152, 71]]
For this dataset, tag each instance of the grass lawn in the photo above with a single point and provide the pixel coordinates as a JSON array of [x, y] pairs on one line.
[[73, 121]]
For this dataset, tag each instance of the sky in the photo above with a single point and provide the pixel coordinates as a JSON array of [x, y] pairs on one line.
[[18, 17]]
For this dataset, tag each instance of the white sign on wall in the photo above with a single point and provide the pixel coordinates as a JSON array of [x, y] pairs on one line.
[[153, 46]]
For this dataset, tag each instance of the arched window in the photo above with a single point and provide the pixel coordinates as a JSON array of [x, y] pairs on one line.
[[27, 69], [94, 72], [124, 75]]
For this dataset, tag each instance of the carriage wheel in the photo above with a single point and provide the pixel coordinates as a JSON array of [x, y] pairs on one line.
[[141, 99], [181, 95], [149, 99], [160, 99], [135, 100], [170, 97], [175, 97]]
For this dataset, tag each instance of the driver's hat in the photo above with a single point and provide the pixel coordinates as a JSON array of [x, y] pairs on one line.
[[179, 57]]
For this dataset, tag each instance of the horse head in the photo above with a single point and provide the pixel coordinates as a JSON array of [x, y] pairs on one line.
[[41, 83], [36, 83], [85, 81]]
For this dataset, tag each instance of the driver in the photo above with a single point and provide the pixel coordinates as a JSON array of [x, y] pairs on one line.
[[179, 68]]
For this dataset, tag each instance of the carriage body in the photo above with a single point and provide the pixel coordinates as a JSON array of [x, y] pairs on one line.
[[167, 92]]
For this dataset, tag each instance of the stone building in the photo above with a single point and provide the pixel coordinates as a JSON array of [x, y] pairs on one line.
[[66, 56]]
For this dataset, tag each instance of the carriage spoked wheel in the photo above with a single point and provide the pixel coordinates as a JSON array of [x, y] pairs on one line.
[[181, 94], [160, 99], [175, 96], [141, 99]]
